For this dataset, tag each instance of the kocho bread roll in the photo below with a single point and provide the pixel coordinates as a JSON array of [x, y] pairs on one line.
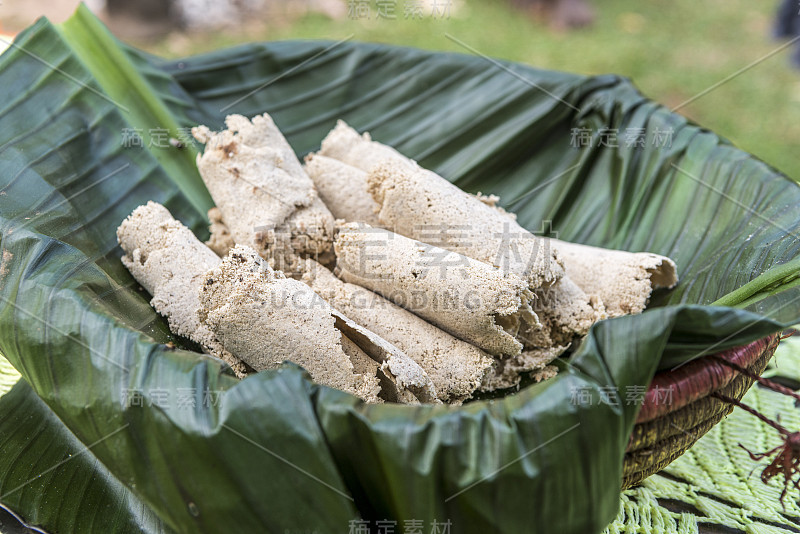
[[423, 205], [623, 280], [360, 151], [420, 204], [343, 188], [170, 263], [252, 181], [265, 318], [469, 299], [455, 367], [265, 198]]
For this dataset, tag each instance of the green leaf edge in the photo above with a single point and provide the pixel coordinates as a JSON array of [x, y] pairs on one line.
[[774, 281], [103, 56]]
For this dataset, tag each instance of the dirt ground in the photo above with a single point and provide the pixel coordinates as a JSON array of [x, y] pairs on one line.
[[127, 22], [16, 15]]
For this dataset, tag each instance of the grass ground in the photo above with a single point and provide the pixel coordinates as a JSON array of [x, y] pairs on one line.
[[671, 50]]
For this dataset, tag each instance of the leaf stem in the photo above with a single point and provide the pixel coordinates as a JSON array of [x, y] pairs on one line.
[[776, 278]]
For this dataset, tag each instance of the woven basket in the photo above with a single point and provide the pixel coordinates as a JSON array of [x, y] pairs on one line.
[[679, 408]]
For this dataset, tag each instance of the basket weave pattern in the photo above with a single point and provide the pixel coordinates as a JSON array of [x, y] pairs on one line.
[[668, 424]]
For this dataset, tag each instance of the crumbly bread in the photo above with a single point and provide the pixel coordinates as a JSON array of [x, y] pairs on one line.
[[265, 197], [508, 371], [306, 230], [265, 318], [166, 258], [221, 240], [343, 188], [469, 299], [401, 378], [623, 280], [455, 367], [420, 204], [423, 205], [359, 150], [566, 313]]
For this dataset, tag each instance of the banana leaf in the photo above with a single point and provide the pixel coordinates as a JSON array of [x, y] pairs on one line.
[[42, 457], [171, 431]]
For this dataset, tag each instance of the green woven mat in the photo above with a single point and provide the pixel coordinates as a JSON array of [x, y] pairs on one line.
[[715, 486]]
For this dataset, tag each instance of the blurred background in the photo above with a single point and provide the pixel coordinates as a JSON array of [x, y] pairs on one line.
[[725, 64]]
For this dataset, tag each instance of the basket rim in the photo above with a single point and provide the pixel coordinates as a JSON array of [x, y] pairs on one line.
[[673, 389]]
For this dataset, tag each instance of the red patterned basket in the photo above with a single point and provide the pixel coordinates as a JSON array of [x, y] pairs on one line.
[[680, 406]]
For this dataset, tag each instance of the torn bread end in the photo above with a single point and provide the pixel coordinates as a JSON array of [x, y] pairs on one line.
[[456, 368], [220, 241], [266, 318], [166, 258], [367, 384], [566, 313], [508, 372], [307, 233], [403, 372], [624, 281]]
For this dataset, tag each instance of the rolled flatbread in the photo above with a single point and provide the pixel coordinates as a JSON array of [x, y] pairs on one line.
[[265, 318], [343, 188], [623, 280], [220, 240], [421, 204], [166, 258], [455, 367], [265, 197], [469, 299], [359, 150]]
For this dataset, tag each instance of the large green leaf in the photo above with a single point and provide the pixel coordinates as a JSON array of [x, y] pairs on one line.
[[275, 453], [42, 458]]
